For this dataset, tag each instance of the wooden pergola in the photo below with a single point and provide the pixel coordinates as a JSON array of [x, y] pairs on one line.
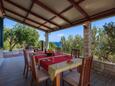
[[54, 15]]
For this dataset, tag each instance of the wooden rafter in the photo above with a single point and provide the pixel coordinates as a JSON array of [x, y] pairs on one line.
[[27, 18], [78, 8], [63, 11], [103, 14], [99, 15], [51, 11], [24, 23], [22, 8], [29, 10], [68, 8], [60, 27], [2, 7]]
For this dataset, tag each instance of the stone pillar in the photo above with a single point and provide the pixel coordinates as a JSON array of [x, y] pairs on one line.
[[1, 41], [87, 39], [46, 40], [42, 45], [1, 32]]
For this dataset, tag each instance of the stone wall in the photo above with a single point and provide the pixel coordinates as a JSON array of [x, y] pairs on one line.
[[104, 67], [13, 53], [1, 53], [1, 57]]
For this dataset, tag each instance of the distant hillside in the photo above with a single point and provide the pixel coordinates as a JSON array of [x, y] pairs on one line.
[[58, 44]]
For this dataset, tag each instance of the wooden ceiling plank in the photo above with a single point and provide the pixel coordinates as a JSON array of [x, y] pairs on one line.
[[22, 8], [77, 7], [26, 18], [17, 20], [63, 11], [51, 11], [29, 10], [25, 23], [2, 7], [107, 13]]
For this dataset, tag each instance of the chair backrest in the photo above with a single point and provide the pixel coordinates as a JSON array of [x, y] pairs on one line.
[[34, 68], [26, 56], [58, 50], [75, 53], [86, 71]]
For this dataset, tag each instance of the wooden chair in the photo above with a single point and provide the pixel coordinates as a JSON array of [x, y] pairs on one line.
[[38, 76], [27, 65], [80, 79], [58, 50], [75, 53]]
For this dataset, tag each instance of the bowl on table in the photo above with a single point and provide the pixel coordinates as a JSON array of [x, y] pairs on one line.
[[50, 53], [69, 61]]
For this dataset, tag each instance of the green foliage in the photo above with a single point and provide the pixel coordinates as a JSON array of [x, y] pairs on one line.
[[20, 35], [52, 46], [72, 42], [9, 38], [63, 42], [103, 41], [110, 33], [26, 34]]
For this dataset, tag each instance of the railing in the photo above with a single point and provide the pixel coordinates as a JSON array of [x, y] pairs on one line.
[[107, 67], [97, 65], [13, 53]]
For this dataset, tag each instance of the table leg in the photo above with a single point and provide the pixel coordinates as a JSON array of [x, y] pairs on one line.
[[57, 80]]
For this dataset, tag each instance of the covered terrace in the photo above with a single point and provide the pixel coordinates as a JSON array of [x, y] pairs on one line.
[[50, 16]]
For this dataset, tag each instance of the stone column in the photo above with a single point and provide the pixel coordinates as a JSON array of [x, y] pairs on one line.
[[1, 41], [1, 32], [87, 39], [42, 45], [46, 40]]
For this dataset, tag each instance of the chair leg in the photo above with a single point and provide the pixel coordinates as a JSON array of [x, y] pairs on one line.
[[53, 83], [37, 84], [24, 70], [27, 73], [46, 82], [39, 67], [62, 82], [89, 85], [31, 81]]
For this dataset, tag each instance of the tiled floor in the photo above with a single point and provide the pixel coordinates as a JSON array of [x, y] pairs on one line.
[[12, 68]]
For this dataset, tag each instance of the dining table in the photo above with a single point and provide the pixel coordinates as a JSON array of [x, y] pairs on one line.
[[57, 64]]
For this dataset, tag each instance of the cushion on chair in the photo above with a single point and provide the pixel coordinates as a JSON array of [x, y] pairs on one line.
[[42, 75], [72, 78]]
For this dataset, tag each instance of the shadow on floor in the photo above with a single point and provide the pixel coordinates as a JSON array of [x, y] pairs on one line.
[[12, 68]]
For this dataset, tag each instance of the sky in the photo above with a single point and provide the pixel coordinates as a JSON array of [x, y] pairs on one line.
[[56, 36]]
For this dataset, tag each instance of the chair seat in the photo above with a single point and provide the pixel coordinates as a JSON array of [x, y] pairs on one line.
[[72, 78], [42, 75], [78, 69]]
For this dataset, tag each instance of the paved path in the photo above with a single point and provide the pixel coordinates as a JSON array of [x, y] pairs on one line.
[[12, 68]]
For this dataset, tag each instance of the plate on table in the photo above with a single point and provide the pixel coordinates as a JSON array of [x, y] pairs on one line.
[[69, 61], [46, 60]]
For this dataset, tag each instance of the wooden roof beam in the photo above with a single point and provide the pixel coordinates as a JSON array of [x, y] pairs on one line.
[[22, 8], [29, 10], [79, 8], [27, 18], [94, 17], [2, 7], [78, 2], [68, 8], [24, 23], [51, 11]]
